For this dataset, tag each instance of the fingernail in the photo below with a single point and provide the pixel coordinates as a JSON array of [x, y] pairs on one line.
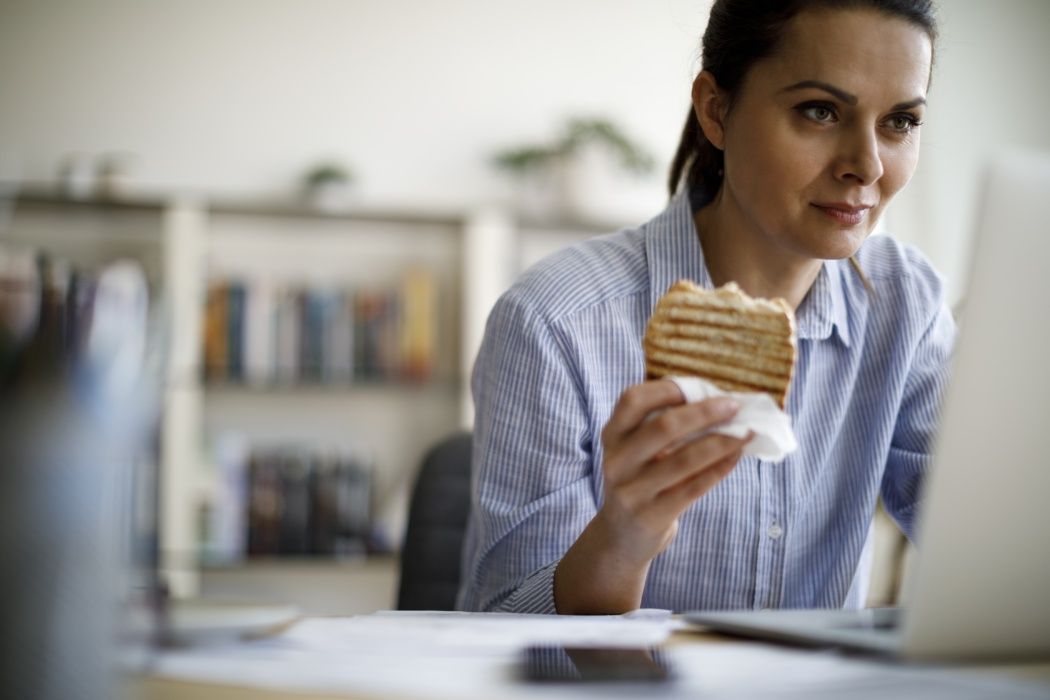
[[728, 407]]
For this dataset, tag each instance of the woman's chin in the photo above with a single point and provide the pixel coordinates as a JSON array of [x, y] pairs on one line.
[[836, 245]]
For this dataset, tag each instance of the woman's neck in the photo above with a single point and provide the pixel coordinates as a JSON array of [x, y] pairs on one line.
[[735, 251]]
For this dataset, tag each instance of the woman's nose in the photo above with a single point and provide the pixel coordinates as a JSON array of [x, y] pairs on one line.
[[859, 160]]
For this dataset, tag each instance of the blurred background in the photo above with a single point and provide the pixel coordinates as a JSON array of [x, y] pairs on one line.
[[327, 196]]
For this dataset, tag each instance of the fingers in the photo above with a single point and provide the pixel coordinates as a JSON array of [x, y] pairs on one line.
[[654, 468], [657, 438], [637, 402], [683, 465], [682, 494]]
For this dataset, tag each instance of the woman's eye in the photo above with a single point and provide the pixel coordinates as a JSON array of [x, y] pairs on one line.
[[903, 122], [817, 112]]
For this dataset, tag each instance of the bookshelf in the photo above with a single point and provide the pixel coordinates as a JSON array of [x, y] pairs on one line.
[[188, 244]]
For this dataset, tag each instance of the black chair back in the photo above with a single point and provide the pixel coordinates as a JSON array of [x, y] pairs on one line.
[[437, 521]]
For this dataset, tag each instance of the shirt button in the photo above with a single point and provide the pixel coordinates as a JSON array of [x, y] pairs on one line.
[[775, 531]]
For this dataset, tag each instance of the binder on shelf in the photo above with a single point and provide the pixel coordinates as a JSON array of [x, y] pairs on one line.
[[264, 506], [295, 475], [303, 502]]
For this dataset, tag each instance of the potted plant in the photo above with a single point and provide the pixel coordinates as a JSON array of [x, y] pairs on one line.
[[576, 175], [327, 186]]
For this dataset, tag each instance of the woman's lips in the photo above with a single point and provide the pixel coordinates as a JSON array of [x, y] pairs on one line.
[[844, 213]]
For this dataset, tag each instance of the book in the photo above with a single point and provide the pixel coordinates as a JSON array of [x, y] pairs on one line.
[[235, 303], [288, 329], [339, 338], [216, 330], [294, 473], [264, 506], [301, 501], [419, 321], [260, 333]]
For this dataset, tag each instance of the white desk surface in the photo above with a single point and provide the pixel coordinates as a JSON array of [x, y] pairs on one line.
[[431, 656]]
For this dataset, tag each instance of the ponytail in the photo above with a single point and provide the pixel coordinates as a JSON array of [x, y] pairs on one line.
[[697, 165]]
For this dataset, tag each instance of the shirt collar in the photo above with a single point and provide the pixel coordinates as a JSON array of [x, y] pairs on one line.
[[673, 252], [824, 309], [673, 249]]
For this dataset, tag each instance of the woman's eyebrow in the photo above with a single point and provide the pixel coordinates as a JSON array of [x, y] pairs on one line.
[[909, 104], [847, 97], [841, 94]]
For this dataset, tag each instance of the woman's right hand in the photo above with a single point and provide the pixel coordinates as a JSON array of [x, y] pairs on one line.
[[652, 474]]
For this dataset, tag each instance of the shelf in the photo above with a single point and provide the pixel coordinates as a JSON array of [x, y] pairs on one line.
[[194, 238], [278, 207], [302, 564], [44, 196], [41, 196], [336, 387], [298, 210], [332, 587]]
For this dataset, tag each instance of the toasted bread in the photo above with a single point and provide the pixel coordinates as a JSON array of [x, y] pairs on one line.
[[724, 336]]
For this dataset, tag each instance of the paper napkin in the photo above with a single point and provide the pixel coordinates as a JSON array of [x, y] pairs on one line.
[[774, 439]]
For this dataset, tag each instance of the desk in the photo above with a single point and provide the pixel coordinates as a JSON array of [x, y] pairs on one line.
[[708, 666]]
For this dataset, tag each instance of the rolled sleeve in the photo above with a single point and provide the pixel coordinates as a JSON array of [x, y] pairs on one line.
[[533, 488], [535, 595]]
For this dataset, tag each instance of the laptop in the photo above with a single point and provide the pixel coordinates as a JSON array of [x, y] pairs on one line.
[[980, 587]]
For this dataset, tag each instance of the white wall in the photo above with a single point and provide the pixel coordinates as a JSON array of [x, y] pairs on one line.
[[241, 95], [990, 92]]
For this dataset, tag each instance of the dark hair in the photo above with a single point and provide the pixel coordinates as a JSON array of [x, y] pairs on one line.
[[739, 34]]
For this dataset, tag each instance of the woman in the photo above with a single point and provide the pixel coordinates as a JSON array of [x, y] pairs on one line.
[[804, 124]]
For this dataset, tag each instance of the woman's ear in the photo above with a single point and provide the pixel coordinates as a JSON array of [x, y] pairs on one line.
[[709, 105]]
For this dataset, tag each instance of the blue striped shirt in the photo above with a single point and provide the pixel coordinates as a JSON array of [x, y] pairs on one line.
[[564, 342]]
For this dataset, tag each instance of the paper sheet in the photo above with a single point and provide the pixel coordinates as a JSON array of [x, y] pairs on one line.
[[462, 657], [455, 633]]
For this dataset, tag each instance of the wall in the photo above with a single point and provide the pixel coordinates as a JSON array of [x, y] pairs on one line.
[[989, 93], [240, 96]]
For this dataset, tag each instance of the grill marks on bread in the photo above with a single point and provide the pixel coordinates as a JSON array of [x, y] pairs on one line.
[[724, 336]]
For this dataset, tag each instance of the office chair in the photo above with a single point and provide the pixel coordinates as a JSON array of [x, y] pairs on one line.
[[437, 521]]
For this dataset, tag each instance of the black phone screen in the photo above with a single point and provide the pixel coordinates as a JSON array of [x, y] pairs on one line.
[[594, 664]]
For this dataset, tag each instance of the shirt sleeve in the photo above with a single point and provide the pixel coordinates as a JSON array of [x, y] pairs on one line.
[[917, 420], [532, 486]]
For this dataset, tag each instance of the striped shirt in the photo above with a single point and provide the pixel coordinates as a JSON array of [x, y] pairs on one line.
[[564, 342]]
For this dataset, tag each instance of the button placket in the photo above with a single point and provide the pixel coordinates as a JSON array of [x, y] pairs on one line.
[[765, 554]]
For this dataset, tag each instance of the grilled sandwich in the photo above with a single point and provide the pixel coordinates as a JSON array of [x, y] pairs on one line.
[[736, 342]]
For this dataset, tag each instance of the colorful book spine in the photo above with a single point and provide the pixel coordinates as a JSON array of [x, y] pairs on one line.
[[216, 332], [260, 333], [235, 302]]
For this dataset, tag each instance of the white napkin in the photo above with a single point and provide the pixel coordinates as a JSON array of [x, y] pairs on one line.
[[774, 439]]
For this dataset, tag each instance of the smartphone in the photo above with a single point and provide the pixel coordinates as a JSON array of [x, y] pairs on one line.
[[594, 664]]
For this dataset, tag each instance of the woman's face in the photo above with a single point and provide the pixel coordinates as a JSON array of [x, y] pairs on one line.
[[823, 134]]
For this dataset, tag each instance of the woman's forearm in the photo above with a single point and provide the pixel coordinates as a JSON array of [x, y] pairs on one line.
[[595, 578]]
